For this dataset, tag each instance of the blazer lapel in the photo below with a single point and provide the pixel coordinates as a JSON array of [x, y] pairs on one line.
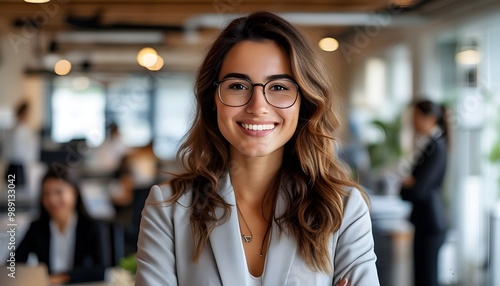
[[281, 252], [44, 239], [226, 242]]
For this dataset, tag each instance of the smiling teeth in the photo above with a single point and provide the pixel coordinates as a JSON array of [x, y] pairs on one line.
[[258, 127]]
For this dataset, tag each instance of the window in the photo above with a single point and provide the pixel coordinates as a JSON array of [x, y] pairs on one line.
[[129, 107], [174, 111], [77, 110]]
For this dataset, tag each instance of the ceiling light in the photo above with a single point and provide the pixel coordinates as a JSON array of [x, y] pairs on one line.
[[36, 1], [468, 57], [158, 65], [328, 44], [147, 57], [404, 3], [62, 67]]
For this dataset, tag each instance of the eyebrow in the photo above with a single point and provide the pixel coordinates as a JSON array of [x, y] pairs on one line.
[[268, 78]]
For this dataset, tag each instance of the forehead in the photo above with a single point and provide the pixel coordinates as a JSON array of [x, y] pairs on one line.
[[258, 60], [53, 184]]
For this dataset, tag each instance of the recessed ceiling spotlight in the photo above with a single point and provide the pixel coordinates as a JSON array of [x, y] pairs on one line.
[[158, 65], [147, 57], [62, 67], [36, 1], [328, 44]]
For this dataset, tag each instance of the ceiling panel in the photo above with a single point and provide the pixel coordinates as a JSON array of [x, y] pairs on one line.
[[81, 28]]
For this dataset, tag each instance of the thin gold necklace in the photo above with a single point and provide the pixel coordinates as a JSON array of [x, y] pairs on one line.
[[248, 238]]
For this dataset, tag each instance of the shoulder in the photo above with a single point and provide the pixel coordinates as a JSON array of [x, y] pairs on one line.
[[355, 206], [161, 215], [39, 225], [163, 193], [355, 198], [439, 143], [436, 148], [37, 230], [160, 197]]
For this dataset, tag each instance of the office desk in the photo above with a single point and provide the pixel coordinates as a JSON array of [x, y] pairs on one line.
[[114, 277]]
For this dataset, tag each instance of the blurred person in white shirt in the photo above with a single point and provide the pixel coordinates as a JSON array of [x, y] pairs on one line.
[[20, 146], [107, 156]]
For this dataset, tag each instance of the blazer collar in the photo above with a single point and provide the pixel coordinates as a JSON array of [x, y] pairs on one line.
[[225, 241], [282, 251]]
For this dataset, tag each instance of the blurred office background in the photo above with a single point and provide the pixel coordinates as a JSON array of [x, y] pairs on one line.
[[99, 106]]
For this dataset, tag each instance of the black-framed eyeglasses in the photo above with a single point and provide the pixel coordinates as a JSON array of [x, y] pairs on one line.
[[235, 92]]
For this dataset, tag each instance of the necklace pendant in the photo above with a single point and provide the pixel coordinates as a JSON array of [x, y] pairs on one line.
[[247, 238]]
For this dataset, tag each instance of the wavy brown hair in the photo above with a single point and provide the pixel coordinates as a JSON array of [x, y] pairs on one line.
[[313, 180]]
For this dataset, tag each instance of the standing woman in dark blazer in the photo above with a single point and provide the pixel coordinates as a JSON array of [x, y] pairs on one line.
[[423, 187], [64, 237]]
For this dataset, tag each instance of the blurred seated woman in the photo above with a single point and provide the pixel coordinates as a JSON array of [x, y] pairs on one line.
[[64, 237]]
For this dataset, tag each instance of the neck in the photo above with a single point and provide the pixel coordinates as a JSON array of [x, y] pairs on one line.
[[63, 222], [253, 177]]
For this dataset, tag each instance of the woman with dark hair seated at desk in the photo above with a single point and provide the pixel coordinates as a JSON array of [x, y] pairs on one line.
[[64, 237]]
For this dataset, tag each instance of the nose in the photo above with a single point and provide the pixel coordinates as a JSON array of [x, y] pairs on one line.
[[258, 103], [49, 201]]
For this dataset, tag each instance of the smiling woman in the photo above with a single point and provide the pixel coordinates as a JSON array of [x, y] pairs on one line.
[[264, 200], [64, 237]]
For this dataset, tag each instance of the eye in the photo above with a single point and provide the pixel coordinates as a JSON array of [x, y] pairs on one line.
[[237, 86], [278, 87]]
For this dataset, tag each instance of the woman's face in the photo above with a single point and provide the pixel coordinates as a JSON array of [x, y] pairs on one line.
[[59, 198], [258, 61], [422, 123]]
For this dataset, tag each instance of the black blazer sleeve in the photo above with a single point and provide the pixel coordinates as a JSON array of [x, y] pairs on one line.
[[27, 245], [428, 172], [36, 241]]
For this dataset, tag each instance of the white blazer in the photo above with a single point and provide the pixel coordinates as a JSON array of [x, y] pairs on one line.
[[165, 247]]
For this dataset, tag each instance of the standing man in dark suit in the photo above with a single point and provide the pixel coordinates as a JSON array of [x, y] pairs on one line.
[[422, 189]]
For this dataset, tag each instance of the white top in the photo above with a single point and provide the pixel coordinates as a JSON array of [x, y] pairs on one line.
[[108, 155], [20, 145], [62, 246], [251, 280]]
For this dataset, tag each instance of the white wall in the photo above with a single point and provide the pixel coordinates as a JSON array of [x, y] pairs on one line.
[[16, 53]]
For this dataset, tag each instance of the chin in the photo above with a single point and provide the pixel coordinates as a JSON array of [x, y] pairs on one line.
[[255, 153], [258, 152], [57, 214]]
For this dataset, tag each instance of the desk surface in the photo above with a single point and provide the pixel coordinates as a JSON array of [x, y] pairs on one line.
[[35, 275], [114, 277]]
